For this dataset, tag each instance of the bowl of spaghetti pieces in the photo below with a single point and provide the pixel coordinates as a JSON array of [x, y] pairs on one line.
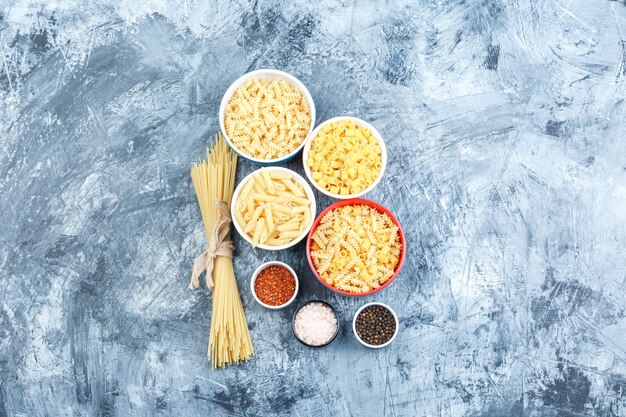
[[266, 115], [356, 247], [273, 208]]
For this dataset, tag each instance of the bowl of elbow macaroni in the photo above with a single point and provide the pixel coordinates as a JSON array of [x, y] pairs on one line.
[[356, 247], [273, 208], [344, 157], [266, 116]]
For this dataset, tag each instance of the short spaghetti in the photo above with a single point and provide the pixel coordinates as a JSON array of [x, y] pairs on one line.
[[356, 248], [267, 119], [344, 158]]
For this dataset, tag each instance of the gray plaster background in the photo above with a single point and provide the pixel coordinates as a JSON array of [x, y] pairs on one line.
[[505, 126]]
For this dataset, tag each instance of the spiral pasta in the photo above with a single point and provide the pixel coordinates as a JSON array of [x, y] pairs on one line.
[[267, 119], [356, 248]]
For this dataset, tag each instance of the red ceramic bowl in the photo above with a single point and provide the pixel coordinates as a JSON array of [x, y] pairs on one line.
[[352, 202]]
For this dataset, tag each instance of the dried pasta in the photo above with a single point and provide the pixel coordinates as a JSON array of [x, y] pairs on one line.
[[267, 119], [344, 158], [356, 248], [214, 180], [272, 208]]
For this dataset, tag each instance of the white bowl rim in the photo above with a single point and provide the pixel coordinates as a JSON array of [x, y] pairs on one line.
[[259, 73], [307, 189], [375, 303], [256, 274], [360, 122]]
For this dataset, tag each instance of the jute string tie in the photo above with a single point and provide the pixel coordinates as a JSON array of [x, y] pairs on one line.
[[219, 245]]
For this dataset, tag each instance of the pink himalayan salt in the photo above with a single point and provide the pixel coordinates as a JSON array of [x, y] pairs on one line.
[[315, 324]]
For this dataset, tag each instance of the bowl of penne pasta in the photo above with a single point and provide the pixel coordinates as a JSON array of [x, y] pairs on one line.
[[266, 116], [273, 208], [344, 157], [356, 247]]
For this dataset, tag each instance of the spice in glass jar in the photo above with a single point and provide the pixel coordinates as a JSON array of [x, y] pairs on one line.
[[375, 325], [275, 285]]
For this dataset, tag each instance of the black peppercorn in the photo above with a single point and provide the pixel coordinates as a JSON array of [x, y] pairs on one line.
[[375, 325]]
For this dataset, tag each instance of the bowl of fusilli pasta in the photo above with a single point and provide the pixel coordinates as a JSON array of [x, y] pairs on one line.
[[356, 247], [266, 116]]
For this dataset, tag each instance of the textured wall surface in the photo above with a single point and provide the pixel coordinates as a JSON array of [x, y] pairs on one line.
[[505, 124]]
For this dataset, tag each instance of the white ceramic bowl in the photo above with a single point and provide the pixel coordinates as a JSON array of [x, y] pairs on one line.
[[305, 186], [266, 74], [359, 122], [359, 312], [256, 274]]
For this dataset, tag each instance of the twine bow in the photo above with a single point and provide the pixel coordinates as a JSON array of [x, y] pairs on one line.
[[219, 245]]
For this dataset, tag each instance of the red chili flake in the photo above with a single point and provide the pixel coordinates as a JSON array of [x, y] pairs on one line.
[[275, 285]]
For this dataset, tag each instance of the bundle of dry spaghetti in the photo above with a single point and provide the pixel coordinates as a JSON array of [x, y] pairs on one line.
[[214, 180]]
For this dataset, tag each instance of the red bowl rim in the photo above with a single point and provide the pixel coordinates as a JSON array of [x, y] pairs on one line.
[[352, 202]]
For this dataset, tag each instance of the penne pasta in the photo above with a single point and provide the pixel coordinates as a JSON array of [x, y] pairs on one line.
[[273, 234], [281, 176], [250, 205], [263, 197], [269, 218], [292, 224], [274, 209], [286, 227], [295, 189], [263, 237], [283, 197], [301, 200], [239, 218], [258, 230], [246, 190], [269, 184], [291, 234], [277, 242], [257, 186], [282, 209], [282, 217], [253, 220]]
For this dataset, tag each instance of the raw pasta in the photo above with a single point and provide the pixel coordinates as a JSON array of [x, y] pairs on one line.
[[356, 248], [214, 180], [267, 119], [272, 208], [344, 158]]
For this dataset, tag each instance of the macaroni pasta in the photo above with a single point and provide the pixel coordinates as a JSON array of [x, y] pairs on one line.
[[344, 158]]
